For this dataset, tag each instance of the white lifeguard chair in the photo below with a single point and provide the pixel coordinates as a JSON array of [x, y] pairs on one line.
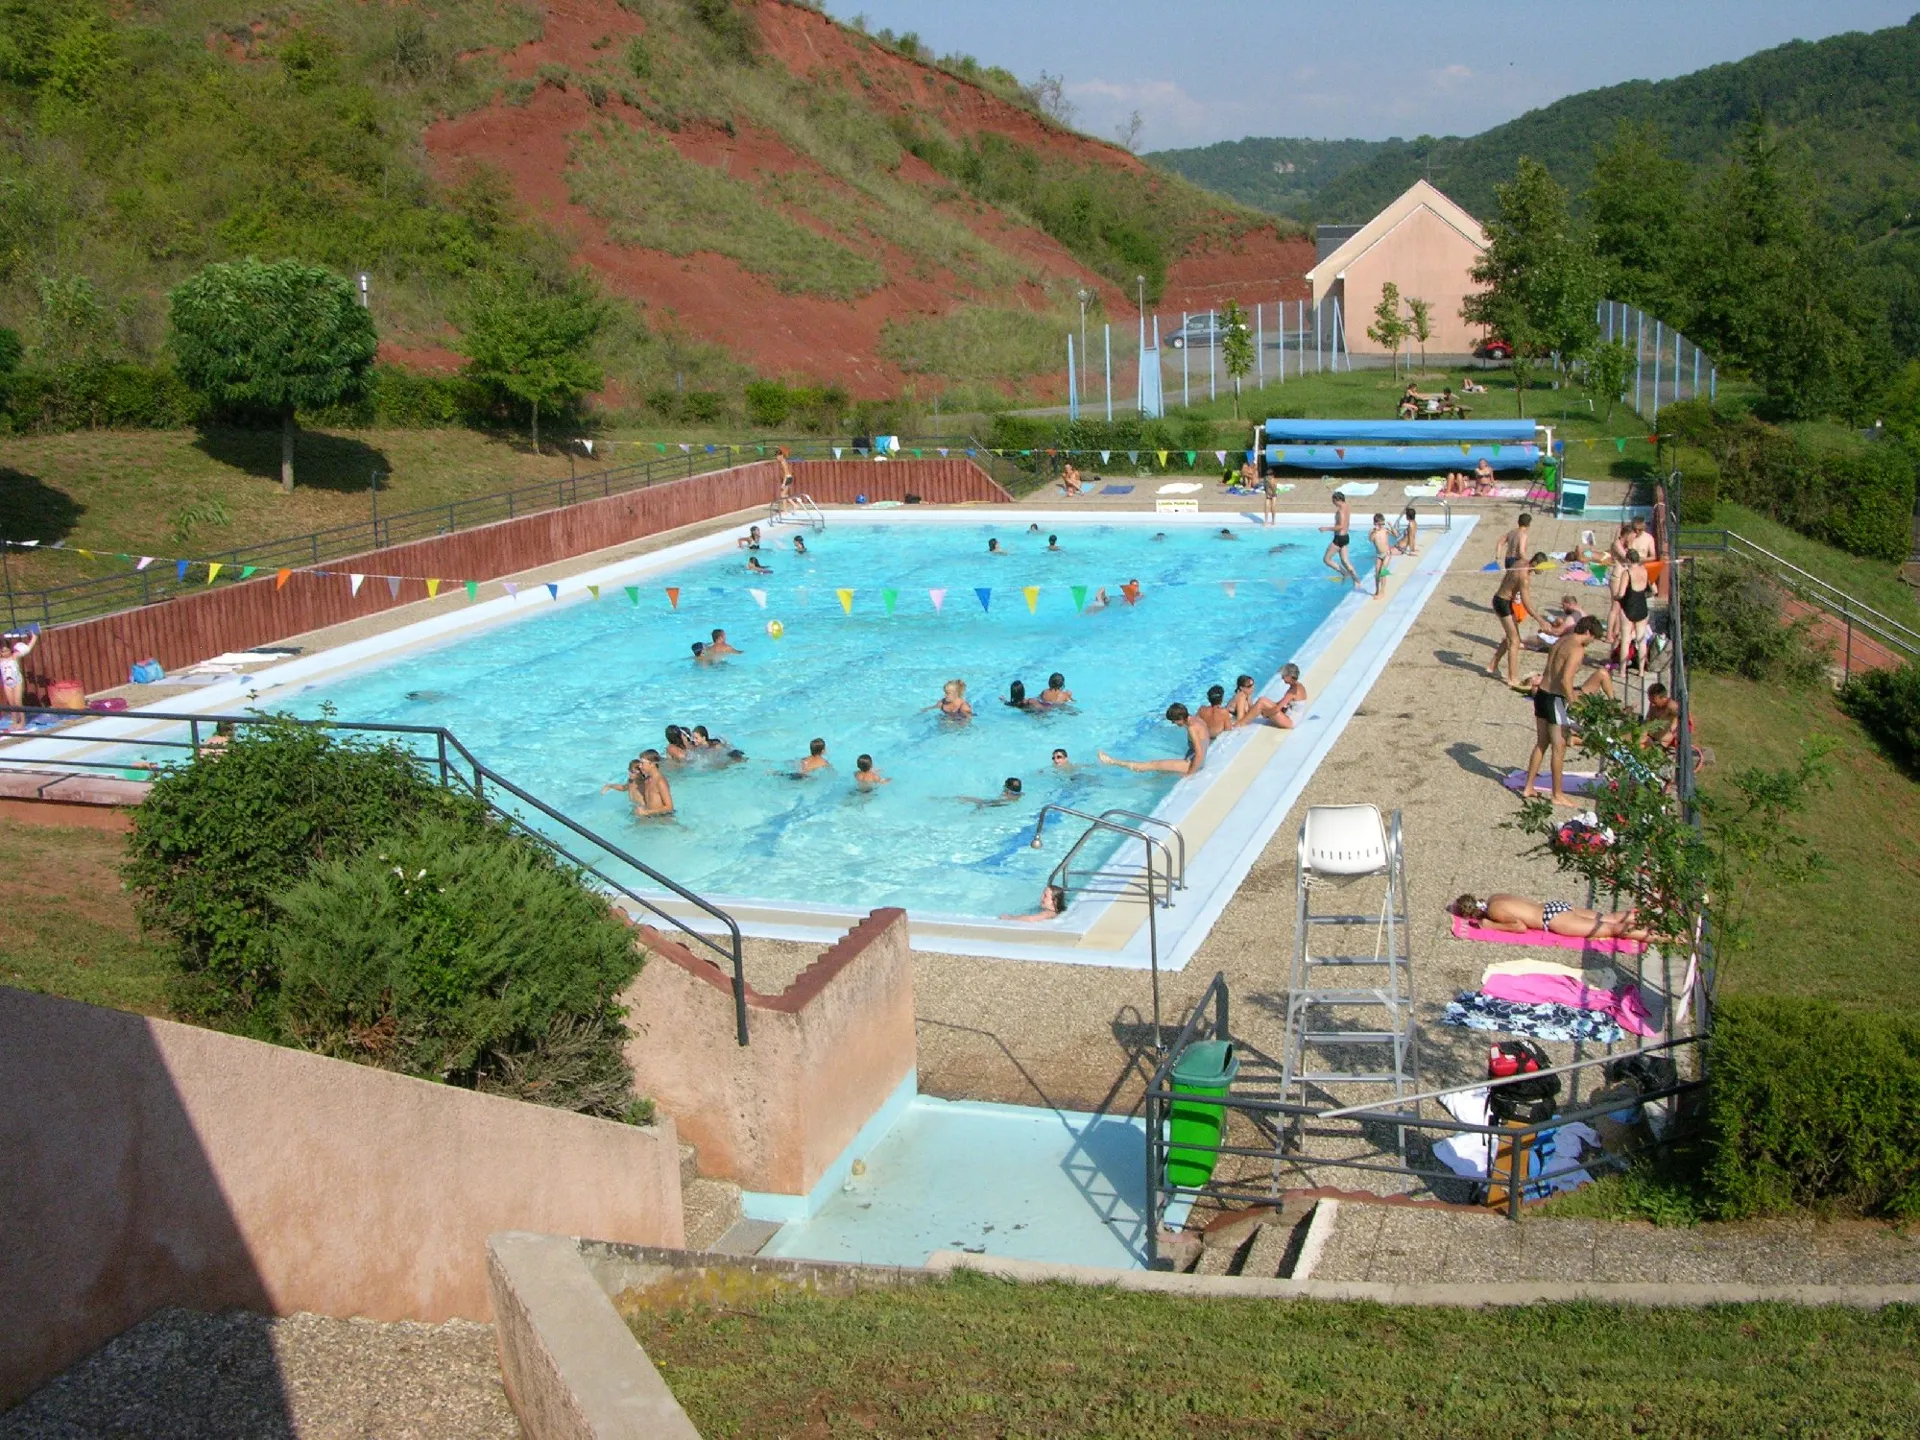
[[1353, 1011]]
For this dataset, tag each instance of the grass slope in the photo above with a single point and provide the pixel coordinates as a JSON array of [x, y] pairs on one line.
[[69, 927], [978, 1357]]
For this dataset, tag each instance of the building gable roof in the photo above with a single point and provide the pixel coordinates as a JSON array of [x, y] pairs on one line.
[[1419, 195]]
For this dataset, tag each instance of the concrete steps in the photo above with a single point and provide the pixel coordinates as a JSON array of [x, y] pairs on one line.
[[1263, 1242], [710, 1208]]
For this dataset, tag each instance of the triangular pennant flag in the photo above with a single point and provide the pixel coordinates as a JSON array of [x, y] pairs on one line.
[[1229, 586], [511, 588], [180, 570], [971, 452], [1465, 449], [686, 449], [214, 569], [760, 449], [1620, 443], [1133, 457], [916, 452], [1588, 442], [985, 593], [1496, 449], [836, 452], [1104, 454], [673, 596], [633, 593], [1653, 439], [1192, 455], [938, 597], [943, 452], [594, 591], [888, 599], [553, 591], [145, 560], [473, 590], [1341, 451], [587, 445], [433, 589], [246, 571], [1032, 592], [354, 582], [661, 446], [1221, 456], [393, 586], [85, 552], [1079, 597], [280, 578], [759, 598], [846, 601], [709, 449]]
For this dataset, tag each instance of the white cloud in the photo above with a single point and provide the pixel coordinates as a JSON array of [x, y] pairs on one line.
[[1172, 116]]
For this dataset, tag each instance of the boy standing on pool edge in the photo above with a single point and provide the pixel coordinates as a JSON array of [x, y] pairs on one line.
[[1337, 548]]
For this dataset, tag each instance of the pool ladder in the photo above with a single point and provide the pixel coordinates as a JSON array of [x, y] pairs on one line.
[[801, 510]]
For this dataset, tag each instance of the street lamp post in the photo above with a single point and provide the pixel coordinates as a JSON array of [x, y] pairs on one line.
[[1083, 295], [373, 488]]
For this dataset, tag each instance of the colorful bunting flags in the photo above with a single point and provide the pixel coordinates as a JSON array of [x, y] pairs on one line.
[[473, 591], [180, 570], [433, 589], [553, 591], [393, 586], [759, 598], [1163, 456], [1221, 456], [1192, 455], [888, 598], [145, 560], [938, 597], [280, 578], [512, 589], [1032, 594], [354, 582], [673, 596], [1079, 593], [1105, 455], [593, 590], [846, 601], [633, 594], [247, 571], [212, 570], [985, 594]]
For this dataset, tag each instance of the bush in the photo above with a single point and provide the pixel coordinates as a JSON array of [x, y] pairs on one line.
[[1870, 501], [463, 954], [1887, 705], [97, 395], [1690, 422], [768, 402], [217, 839], [1731, 610], [1699, 486], [1811, 1106]]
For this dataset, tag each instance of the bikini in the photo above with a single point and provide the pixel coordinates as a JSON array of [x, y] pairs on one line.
[[1551, 911]]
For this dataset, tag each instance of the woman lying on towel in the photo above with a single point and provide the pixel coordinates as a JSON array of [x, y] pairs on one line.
[[1517, 914]]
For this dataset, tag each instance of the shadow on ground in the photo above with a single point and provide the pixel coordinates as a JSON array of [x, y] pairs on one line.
[[321, 461], [31, 509]]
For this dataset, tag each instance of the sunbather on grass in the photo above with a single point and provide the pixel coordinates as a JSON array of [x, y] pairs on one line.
[[1516, 914]]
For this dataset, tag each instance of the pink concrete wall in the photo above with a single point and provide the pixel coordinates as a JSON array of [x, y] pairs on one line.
[[146, 1164], [1426, 257], [826, 1053]]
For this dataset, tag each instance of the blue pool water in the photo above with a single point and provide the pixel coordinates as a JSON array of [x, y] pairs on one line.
[[561, 698]]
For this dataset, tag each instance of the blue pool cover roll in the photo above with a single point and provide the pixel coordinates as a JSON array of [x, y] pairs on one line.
[[1412, 432], [1424, 459]]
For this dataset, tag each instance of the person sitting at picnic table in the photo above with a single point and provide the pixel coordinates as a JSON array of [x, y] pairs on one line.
[[1410, 401], [1450, 406]]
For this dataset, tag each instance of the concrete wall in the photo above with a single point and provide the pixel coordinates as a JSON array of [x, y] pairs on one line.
[[146, 1164], [826, 1052], [1425, 257]]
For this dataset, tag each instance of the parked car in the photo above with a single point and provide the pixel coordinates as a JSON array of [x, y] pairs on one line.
[[1202, 329], [1493, 348]]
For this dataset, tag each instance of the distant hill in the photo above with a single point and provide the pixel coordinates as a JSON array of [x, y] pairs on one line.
[[1271, 173], [1850, 103]]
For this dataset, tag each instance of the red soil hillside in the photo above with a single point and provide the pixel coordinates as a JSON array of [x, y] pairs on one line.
[[806, 140]]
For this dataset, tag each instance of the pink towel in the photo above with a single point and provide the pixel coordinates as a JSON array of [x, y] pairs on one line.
[[1622, 1005], [1463, 931]]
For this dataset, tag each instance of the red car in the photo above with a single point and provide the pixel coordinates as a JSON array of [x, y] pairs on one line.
[[1493, 348]]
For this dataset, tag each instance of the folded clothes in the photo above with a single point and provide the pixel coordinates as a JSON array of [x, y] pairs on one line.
[[1463, 930], [1480, 1011], [1623, 1004]]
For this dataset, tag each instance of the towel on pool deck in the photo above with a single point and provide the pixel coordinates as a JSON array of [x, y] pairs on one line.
[[1116, 489], [1576, 784], [1364, 488], [1478, 1011], [1623, 1005], [1428, 491], [1178, 487], [1463, 931]]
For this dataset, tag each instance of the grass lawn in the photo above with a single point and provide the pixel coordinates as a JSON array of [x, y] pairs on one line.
[[1876, 582], [68, 927], [979, 1357], [1850, 936]]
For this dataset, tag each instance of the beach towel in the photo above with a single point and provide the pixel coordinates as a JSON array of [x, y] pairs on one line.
[[1623, 1005], [1463, 931], [1116, 489], [1529, 967], [1477, 1011], [1428, 491], [1182, 487], [1575, 784], [1366, 487]]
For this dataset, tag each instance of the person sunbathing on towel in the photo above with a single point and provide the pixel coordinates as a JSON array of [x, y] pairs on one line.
[[1516, 914]]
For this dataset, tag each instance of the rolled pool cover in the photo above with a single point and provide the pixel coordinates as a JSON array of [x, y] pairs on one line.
[[1424, 459]]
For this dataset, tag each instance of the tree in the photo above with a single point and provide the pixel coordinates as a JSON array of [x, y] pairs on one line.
[[532, 339], [1641, 208], [1389, 327], [1542, 281], [1049, 97], [1237, 349], [273, 338], [1607, 367], [1127, 132], [1420, 324]]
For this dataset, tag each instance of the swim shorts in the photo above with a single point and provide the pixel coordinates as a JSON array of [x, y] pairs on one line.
[[1503, 607], [1550, 707], [1341, 539]]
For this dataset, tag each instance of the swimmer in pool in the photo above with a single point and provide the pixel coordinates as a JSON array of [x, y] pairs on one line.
[[952, 703], [816, 759], [704, 654], [716, 748], [1214, 714], [1060, 760], [1056, 692], [1098, 602], [1241, 707], [749, 541], [865, 776], [993, 548], [1197, 742], [719, 645], [1226, 534], [1017, 698], [1053, 544], [656, 798], [799, 545], [754, 567], [632, 784], [1034, 529], [1009, 795], [1282, 712], [1159, 535], [679, 751], [1053, 904]]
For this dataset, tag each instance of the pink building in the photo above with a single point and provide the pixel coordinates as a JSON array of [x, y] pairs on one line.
[[1425, 244]]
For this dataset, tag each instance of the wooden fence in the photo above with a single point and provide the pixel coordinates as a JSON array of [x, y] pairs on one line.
[[180, 632]]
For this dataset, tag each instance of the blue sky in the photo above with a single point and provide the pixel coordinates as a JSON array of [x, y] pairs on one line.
[[1206, 70]]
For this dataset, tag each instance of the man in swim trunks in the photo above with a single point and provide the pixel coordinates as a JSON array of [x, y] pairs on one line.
[[1513, 545], [1060, 760], [1009, 795], [1196, 756], [1053, 544], [1337, 547], [1513, 596], [865, 776], [799, 545], [1214, 714], [1056, 692], [656, 799], [816, 758], [1550, 718], [719, 645]]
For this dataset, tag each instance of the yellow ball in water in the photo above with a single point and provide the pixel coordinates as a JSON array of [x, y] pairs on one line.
[[775, 629]]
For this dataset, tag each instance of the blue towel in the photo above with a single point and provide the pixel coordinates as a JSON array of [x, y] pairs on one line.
[[1477, 1011], [1116, 489]]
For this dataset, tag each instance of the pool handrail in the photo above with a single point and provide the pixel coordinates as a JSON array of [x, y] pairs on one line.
[[483, 775]]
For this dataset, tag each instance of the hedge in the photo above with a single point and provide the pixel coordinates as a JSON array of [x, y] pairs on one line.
[[1813, 1107], [1887, 705], [98, 396]]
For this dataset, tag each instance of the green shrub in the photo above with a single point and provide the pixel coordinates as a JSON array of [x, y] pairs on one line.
[[703, 407], [1811, 1106], [465, 954], [1734, 625], [218, 838], [10, 350], [1689, 422], [768, 402], [1870, 501], [1699, 485], [98, 395], [1887, 705]]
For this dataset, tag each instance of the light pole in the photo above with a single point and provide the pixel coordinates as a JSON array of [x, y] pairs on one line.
[[1083, 295], [373, 488]]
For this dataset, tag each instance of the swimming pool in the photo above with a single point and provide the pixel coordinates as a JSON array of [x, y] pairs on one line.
[[874, 619]]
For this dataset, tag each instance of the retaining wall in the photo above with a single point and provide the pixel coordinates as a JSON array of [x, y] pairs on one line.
[[145, 1164]]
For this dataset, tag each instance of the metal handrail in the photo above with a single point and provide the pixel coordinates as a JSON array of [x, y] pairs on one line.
[[811, 515], [1178, 874], [483, 776]]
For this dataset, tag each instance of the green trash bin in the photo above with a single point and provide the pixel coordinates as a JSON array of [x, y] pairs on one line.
[[1205, 1070], [1550, 474]]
